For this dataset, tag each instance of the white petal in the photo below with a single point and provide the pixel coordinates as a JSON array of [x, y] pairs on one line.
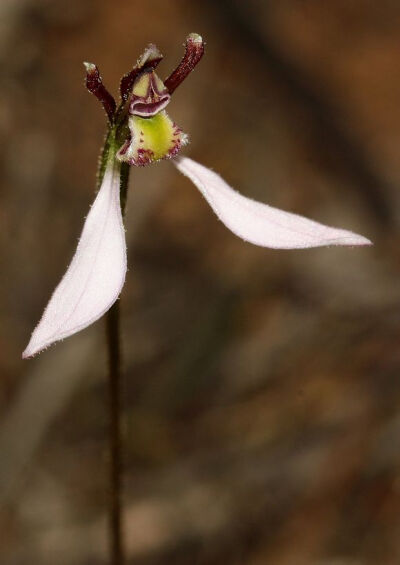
[[96, 274], [259, 223]]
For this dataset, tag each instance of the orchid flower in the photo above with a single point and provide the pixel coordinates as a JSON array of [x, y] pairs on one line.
[[140, 132]]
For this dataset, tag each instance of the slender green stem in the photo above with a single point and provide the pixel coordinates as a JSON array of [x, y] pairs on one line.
[[117, 553]]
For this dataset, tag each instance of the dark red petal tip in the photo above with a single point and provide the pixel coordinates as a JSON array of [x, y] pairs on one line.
[[147, 62], [194, 50], [95, 85]]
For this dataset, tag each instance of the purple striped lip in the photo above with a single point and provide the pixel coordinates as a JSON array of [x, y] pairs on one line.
[[147, 110]]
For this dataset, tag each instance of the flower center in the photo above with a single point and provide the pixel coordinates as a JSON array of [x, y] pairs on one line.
[[149, 96]]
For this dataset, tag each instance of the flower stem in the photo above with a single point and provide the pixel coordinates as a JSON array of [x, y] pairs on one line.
[[115, 440], [117, 552]]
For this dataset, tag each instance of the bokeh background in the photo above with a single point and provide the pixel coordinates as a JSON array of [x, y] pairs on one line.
[[262, 390]]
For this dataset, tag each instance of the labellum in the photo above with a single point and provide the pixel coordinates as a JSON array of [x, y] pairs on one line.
[[152, 134]]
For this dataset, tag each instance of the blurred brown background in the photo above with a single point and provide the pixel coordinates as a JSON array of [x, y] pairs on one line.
[[262, 392]]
